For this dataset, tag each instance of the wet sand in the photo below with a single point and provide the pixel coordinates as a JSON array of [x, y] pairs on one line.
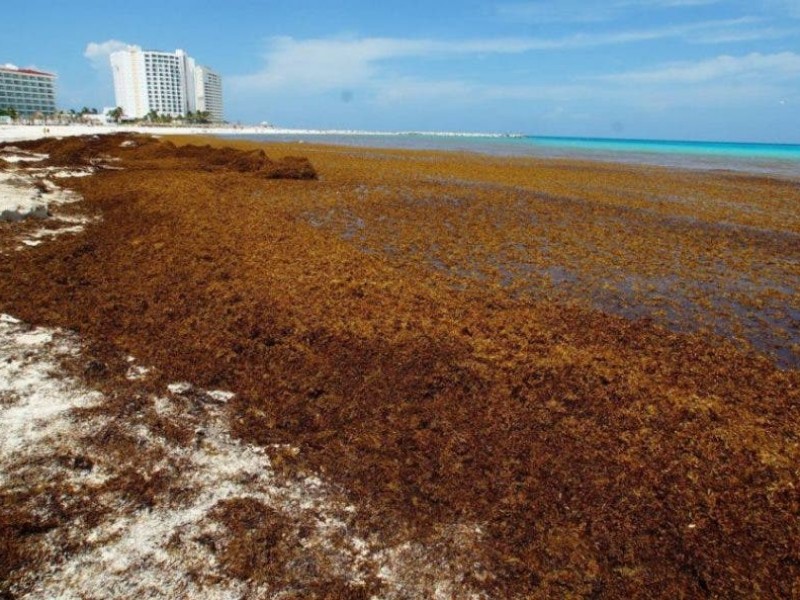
[[561, 379]]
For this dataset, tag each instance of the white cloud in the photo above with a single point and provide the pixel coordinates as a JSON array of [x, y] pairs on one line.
[[326, 62], [557, 12], [767, 67], [790, 8], [581, 11], [755, 34], [581, 98], [409, 89], [98, 52], [333, 63]]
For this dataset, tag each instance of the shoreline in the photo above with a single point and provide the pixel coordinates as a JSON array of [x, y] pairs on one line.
[[10, 133], [485, 144]]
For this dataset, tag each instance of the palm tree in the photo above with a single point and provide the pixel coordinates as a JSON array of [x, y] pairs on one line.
[[116, 114], [9, 112]]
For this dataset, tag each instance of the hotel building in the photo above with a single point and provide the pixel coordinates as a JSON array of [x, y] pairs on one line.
[[208, 92], [27, 91], [170, 83]]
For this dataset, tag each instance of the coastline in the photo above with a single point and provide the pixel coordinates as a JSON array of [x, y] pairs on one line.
[[11, 133], [448, 373], [771, 160]]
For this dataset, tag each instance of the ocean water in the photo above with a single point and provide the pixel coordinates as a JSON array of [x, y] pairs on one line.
[[772, 159]]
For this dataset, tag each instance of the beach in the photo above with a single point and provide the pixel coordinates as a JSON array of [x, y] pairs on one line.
[[774, 160], [12, 133], [413, 374]]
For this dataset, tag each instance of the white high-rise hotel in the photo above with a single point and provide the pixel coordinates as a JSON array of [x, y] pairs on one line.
[[170, 83]]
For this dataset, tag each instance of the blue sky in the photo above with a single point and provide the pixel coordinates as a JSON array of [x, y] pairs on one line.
[[676, 69]]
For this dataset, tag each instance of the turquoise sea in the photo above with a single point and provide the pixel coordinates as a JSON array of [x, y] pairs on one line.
[[774, 159]]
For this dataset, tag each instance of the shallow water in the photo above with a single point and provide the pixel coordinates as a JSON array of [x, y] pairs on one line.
[[767, 159]]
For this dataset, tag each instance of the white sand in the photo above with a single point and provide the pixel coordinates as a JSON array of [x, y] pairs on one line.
[[12, 154], [28, 192], [164, 550], [35, 393], [19, 198], [14, 133]]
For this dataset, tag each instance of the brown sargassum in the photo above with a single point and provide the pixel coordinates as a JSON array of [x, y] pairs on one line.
[[455, 339]]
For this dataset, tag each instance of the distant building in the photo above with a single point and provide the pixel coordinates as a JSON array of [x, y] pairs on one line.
[[170, 83], [27, 91], [208, 92]]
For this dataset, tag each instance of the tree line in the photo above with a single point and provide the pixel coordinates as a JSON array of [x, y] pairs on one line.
[[116, 114]]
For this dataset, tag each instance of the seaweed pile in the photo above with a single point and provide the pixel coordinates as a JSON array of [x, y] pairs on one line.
[[589, 455], [152, 153]]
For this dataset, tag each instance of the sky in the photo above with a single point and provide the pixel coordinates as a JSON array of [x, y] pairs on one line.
[[662, 69]]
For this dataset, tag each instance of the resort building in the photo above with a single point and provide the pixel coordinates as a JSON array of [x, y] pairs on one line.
[[169, 83], [26, 91], [208, 92]]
